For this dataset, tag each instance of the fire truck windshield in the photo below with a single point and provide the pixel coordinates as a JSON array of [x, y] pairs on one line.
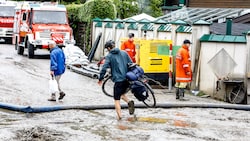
[[7, 11], [50, 17]]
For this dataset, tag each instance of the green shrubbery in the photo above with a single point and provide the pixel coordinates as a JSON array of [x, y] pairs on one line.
[[97, 8], [73, 10], [84, 13]]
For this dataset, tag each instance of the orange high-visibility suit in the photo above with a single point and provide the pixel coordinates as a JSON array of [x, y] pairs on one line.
[[183, 65], [129, 47]]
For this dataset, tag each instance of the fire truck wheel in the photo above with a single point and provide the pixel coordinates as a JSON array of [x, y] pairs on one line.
[[30, 50], [8, 41], [20, 50]]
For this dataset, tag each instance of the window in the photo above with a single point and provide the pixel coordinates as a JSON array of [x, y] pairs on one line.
[[50, 17], [7, 11]]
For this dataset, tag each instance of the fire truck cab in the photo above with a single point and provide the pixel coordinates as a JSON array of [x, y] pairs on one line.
[[6, 20], [35, 24]]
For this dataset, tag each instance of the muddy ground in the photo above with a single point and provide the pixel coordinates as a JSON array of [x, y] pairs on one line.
[[24, 82]]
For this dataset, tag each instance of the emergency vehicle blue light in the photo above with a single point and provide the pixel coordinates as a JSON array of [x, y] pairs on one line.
[[60, 6], [34, 5]]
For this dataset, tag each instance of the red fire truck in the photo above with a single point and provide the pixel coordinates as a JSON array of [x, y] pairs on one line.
[[6, 20], [37, 23]]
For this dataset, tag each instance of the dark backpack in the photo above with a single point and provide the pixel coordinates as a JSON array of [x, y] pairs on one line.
[[139, 90]]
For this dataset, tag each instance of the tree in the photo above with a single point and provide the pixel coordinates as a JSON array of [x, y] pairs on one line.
[[151, 7], [60, 1], [97, 8], [90, 10], [72, 1], [126, 8], [143, 6], [155, 7]]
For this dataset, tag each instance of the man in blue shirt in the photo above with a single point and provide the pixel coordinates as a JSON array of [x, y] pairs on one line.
[[117, 60], [57, 67]]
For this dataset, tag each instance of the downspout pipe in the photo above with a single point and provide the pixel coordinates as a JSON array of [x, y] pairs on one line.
[[229, 27], [41, 109]]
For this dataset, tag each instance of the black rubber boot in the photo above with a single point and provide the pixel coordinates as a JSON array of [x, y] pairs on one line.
[[177, 93], [181, 93]]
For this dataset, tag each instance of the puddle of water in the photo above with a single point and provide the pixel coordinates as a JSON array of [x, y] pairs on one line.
[[5, 123], [8, 117], [75, 127], [102, 131], [180, 114], [132, 119], [182, 123], [8, 57], [152, 120], [123, 127], [62, 122]]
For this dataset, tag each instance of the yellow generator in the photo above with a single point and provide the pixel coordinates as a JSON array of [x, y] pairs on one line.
[[153, 57]]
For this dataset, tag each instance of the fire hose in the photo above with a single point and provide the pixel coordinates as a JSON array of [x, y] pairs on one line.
[[41, 109]]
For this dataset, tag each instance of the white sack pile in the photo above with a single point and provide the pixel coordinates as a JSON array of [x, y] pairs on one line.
[[75, 56]]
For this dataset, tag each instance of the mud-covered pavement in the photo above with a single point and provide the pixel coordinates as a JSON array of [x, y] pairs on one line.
[[24, 82]]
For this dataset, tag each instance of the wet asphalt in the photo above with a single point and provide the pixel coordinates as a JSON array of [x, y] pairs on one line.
[[24, 82]]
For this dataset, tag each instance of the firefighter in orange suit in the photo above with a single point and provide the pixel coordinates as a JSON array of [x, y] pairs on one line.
[[183, 69], [129, 47]]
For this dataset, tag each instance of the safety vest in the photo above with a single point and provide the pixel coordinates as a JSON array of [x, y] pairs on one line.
[[129, 47], [183, 65]]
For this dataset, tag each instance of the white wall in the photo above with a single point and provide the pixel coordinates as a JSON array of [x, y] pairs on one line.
[[97, 31], [119, 35], [149, 35], [208, 50], [164, 35], [180, 37], [108, 34], [132, 31]]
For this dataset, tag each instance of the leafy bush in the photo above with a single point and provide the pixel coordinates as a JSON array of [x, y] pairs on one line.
[[73, 10], [72, 1], [97, 8], [126, 8], [82, 15], [90, 10]]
